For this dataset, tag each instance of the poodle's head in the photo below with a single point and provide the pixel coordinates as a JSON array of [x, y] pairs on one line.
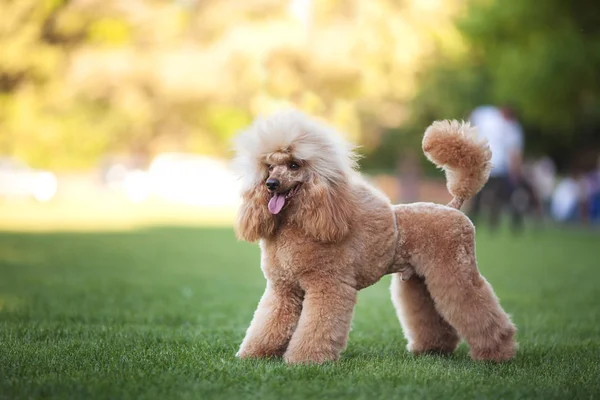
[[293, 169]]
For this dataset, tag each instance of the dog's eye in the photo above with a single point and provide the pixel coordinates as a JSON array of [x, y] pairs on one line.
[[294, 165], [270, 167]]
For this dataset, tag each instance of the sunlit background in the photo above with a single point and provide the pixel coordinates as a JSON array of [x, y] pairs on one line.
[[117, 113]]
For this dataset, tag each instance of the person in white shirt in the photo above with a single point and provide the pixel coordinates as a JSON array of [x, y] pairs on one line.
[[505, 136]]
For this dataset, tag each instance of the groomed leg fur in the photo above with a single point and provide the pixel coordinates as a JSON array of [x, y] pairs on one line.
[[324, 325], [424, 328], [469, 304], [440, 243], [466, 300], [273, 324]]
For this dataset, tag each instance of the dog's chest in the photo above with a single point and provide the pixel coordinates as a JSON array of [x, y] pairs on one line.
[[288, 256]]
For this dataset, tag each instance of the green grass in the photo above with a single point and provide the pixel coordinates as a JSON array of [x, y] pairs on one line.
[[159, 313]]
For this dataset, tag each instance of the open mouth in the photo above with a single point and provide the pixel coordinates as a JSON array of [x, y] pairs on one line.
[[279, 200]]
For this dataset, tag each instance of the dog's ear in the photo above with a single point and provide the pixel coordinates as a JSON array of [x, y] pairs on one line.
[[254, 221], [326, 212]]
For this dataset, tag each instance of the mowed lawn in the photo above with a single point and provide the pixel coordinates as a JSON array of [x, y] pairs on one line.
[[159, 313]]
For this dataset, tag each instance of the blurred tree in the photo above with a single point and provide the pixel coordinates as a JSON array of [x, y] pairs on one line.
[[82, 78], [545, 60], [542, 60]]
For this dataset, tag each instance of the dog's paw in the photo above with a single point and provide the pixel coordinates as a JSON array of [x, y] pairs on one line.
[[253, 353], [499, 353], [504, 350], [243, 354]]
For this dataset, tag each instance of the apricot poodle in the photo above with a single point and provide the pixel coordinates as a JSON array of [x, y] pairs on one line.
[[325, 234]]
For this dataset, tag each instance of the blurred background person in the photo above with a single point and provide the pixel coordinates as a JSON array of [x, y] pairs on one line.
[[576, 199], [568, 204], [542, 175], [594, 190], [505, 137]]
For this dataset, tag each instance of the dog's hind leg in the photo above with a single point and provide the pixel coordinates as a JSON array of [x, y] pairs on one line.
[[465, 299], [324, 325], [424, 328], [274, 322]]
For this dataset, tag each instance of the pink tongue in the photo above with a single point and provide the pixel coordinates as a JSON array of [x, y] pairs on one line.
[[276, 203]]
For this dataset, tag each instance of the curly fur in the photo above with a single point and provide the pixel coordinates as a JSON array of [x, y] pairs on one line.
[[465, 158], [332, 158], [253, 220], [336, 235], [326, 213]]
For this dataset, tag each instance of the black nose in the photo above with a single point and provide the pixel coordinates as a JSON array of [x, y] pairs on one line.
[[273, 184]]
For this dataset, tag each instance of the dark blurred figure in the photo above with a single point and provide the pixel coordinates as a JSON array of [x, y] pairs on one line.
[[593, 179], [569, 199], [576, 198], [409, 174], [542, 175], [506, 187]]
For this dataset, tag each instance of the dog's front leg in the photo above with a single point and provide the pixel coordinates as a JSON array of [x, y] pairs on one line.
[[324, 325], [274, 322]]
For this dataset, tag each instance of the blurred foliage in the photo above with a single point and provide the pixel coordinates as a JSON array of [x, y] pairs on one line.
[[83, 78], [542, 60]]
